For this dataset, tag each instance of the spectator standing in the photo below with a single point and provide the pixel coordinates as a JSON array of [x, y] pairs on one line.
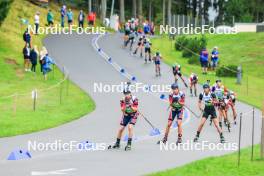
[[34, 58], [152, 28], [47, 62], [63, 13], [81, 18], [50, 18], [215, 57], [146, 28], [36, 20], [26, 53], [27, 37], [204, 60], [91, 18], [42, 54], [70, 18]]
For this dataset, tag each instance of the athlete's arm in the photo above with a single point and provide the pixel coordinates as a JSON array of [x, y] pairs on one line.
[[182, 100], [200, 102], [135, 105], [215, 101], [123, 105]]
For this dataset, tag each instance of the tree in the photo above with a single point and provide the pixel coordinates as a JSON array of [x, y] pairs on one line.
[[122, 10], [150, 10], [103, 10], [4, 8], [140, 15], [169, 12], [163, 12], [134, 8], [89, 6]]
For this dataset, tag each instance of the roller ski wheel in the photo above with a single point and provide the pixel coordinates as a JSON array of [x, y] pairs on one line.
[[128, 148]]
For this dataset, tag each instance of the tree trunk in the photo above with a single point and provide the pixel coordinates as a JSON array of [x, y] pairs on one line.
[[89, 6], [150, 10], [103, 10], [122, 11], [169, 12], [112, 8], [140, 11], [163, 12], [134, 8]]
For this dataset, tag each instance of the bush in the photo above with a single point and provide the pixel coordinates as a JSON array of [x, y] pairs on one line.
[[190, 46], [227, 71], [181, 42], [194, 60], [4, 8]]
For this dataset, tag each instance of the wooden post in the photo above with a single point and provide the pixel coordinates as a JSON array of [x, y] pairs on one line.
[[15, 105], [253, 129], [262, 136], [239, 140], [61, 93], [34, 99]]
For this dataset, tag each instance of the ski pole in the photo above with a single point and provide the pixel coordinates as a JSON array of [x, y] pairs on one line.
[[184, 82], [192, 112], [152, 126]]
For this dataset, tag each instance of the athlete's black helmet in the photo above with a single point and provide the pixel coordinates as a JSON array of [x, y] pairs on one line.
[[206, 86], [174, 86], [157, 53], [219, 80]]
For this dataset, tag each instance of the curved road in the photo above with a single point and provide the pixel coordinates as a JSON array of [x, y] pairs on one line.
[[86, 67]]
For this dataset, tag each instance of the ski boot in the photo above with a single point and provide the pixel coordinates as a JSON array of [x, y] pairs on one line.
[[229, 127], [220, 125]]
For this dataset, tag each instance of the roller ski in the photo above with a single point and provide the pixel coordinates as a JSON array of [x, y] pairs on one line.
[[115, 146], [128, 147], [179, 141], [164, 141], [196, 138]]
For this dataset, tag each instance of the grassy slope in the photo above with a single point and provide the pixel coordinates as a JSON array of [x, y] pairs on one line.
[[16, 115], [219, 166], [245, 48]]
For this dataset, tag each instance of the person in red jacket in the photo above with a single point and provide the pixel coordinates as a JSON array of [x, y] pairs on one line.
[[177, 101], [91, 17], [129, 108]]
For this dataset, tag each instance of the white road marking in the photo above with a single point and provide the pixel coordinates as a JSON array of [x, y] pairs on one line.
[[55, 172]]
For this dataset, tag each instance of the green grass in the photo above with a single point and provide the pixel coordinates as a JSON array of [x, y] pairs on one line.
[[221, 166], [246, 49], [17, 115]]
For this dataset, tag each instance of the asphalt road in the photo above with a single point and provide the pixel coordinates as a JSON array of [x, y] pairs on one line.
[[86, 66]]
